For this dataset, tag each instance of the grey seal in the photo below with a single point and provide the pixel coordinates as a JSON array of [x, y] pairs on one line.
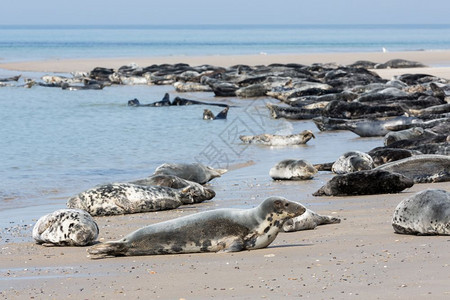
[[308, 220], [278, 140], [127, 198], [424, 213], [194, 172], [227, 230], [352, 161], [291, 169], [66, 227], [208, 115], [367, 182]]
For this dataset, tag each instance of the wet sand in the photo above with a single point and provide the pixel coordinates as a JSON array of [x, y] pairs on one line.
[[360, 257]]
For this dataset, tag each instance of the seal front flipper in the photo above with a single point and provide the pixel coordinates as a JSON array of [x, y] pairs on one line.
[[236, 246], [107, 249]]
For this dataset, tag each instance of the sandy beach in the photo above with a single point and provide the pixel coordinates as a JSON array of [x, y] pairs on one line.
[[360, 258]]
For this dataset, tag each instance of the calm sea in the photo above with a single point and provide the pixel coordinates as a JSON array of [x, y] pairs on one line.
[[56, 143]]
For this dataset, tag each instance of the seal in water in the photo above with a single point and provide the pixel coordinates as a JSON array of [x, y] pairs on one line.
[[194, 172], [127, 198], [352, 161], [208, 115], [291, 169], [66, 227], [425, 213], [367, 182], [279, 140], [227, 230], [308, 220]]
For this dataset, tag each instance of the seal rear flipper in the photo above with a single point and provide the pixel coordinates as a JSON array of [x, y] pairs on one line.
[[107, 249]]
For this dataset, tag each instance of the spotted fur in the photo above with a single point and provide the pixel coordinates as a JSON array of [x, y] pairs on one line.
[[308, 220], [291, 169], [352, 161], [278, 140]]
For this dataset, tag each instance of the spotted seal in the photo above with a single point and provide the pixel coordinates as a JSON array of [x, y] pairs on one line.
[[65, 227], [352, 161], [128, 198], [227, 230], [308, 220], [424, 213], [291, 169], [278, 140], [194, 172]]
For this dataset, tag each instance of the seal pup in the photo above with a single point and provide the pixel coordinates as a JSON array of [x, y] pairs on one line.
[[278, 140], [194, 172], [421, 168], [127, 198], [66, 227], [367, 182], [308, 220], [352, 161], [227, 230], [424, 213], [291, 169]]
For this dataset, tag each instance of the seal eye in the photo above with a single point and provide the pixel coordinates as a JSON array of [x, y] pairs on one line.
[[287, 204]]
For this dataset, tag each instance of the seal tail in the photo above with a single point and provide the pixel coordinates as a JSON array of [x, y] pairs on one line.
[[107, 249]]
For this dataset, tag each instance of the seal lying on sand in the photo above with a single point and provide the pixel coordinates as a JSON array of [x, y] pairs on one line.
[[291, 169], [194, 172], [352, 161], [421, 168], [368, 182], [425, 213], [228, 230], [66, 227], [127, 198], [308, 220], [279, 140]]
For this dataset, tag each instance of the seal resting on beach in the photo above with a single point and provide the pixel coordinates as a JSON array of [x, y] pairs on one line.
[[127, 198], [352, 161], [424, 213], [279, 140], [66, 227], [367, 182], [194, 172], [421, 168], [291, 169], [227, 230], [308, 220]]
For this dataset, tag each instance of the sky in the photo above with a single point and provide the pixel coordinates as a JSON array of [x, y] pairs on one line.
[[164, 12]]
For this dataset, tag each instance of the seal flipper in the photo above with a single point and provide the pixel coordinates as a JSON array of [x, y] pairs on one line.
[[236, 246], [107, 249]]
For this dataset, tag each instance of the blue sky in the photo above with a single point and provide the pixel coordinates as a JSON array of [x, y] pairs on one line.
[[137, 12]]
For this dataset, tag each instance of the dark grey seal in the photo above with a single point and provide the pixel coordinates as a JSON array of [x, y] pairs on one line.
[[424, 213], [227, 230]]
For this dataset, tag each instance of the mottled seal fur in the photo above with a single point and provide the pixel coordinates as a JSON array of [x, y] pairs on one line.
[[226, 230], [127, 198], [194, 172], [382, 155], [424, 213], [368, 182], [278, 140], [291, 169], [308, 220], [421, 168], [352, 161], [66, 227]]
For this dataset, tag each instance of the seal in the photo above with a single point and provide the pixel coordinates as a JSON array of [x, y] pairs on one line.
[[352, 161], [291, 169], [127, 198], [65, 227], [227, 230], [278, 140], [208, 115], [308, 220], [194, 172], [424, 213]]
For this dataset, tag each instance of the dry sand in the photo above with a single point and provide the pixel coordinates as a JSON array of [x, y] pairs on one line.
[[361, 257]]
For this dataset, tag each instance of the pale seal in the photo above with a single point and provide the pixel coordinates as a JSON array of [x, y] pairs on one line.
[[194, 172], [424, 213], [352, 161], [278, 140], [66, 227], [291, 169], [127, 198], [227, 230], [308, 220]]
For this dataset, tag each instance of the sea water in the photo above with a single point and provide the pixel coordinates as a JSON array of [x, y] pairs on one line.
[[56, 143]]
